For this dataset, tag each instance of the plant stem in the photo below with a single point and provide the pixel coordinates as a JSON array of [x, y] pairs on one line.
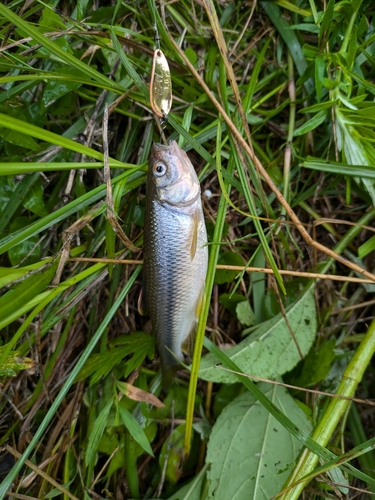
[[335, 410], [292, 117]]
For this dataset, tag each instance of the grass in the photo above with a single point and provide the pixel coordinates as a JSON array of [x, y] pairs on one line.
[[274, 103]]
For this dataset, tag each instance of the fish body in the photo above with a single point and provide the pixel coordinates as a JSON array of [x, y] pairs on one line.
[[175, 253]]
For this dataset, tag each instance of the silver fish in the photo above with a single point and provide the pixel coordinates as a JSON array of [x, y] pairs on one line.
[[175, 253]]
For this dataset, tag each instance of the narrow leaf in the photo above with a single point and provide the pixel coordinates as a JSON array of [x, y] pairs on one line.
[[135, 429], [314, 122], [97, 432]]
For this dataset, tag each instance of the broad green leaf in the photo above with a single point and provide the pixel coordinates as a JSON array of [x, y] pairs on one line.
[[19, 139], [293, 429], [34, 199], [12, 195], [314, 122], [135, 429], [250, 454], [9, 274], [28, 249], [311, 28], [317, 364], [230, 301], [245, 314], [58, 88], [293, 8], [270, 350], [96, 433], [51, 20], [228, 258]]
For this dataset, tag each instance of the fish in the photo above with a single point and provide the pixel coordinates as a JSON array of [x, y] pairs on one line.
[[175, 254]]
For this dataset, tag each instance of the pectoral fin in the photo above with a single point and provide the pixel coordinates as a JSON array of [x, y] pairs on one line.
[[141, 305], [194, 235]]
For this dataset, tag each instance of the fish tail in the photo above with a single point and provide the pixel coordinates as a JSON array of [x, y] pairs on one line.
[[168, 373], [169, 365]]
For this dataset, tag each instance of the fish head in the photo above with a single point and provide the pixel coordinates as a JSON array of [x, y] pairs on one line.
[[173, 175]]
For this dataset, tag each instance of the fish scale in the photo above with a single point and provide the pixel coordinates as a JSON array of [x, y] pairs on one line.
[[174, 274]]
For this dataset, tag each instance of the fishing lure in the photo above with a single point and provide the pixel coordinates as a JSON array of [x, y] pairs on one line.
[[161, 85]]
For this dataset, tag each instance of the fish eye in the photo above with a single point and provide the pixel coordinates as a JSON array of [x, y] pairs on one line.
[[159, 168]]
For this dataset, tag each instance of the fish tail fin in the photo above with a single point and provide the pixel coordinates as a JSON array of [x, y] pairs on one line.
[[168, 373]]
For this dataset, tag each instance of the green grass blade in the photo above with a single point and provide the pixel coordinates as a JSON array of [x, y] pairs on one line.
[[64, 212], [45, 135], [7, 482], [56, 49], [17, 168], [289, 37], [339, 168], [129, 67]]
